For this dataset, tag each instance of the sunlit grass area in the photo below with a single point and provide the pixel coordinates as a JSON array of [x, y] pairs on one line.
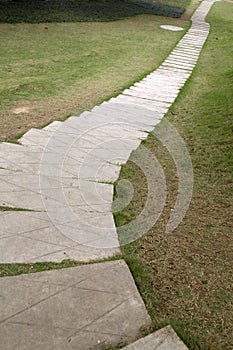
[[49, 71]]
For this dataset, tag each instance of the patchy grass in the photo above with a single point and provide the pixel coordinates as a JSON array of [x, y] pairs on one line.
[[7, 270], [47, 74], [5, 208], [185, 277], [41, 11]]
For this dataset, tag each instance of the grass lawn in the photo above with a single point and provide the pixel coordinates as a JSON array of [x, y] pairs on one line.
[[50, 71], [185, 277]]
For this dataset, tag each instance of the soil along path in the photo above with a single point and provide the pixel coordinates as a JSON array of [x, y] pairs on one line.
[[59, 186]]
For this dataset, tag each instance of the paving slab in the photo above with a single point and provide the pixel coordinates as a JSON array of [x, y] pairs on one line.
[[32, 237], [146, 103], [169, 87], [180, 63], [85, 307], [172, 28], [181, 57], [151, 90], [163, 339], [149, 95], [132, 114]]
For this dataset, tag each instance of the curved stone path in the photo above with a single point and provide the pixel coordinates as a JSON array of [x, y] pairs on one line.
[[62, 175], [64, 172]]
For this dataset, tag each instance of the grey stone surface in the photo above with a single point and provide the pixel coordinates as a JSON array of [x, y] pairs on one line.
[[85, 307], [177, 66], [35, 137], [164, 339], [31, 236], [168, 91], [172, 28], [149, 95], [180, 58], [178, 50], [174, 70], [57, 170], [133, 115], [155, 106], [181, 64]]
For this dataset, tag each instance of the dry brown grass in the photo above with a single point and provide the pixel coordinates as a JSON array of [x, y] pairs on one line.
[[186, 277]]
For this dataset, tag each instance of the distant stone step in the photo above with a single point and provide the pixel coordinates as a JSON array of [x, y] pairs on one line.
[[164, 339]]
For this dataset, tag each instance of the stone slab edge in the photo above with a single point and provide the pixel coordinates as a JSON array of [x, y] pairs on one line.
[[163, 339]]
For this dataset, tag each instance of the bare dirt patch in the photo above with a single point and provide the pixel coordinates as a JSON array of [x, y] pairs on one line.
[[187, 15], [20, 110]]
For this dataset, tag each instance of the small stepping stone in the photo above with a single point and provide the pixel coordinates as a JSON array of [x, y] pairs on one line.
[[172, 28]]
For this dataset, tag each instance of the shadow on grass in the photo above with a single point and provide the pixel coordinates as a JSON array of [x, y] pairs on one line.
[[34, 11]]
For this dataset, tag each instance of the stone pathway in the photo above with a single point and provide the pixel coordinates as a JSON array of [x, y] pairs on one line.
[[64, 172], [76, 308], [62, 176]]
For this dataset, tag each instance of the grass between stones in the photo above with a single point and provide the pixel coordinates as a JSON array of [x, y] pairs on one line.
[[7, 270], [5, 208], [49, 71], [185, 277]]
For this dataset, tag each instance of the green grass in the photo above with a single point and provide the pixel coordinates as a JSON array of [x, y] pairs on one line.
[[7, 270], [185, 277], [47, 74], [34, 11], [5, 208]]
